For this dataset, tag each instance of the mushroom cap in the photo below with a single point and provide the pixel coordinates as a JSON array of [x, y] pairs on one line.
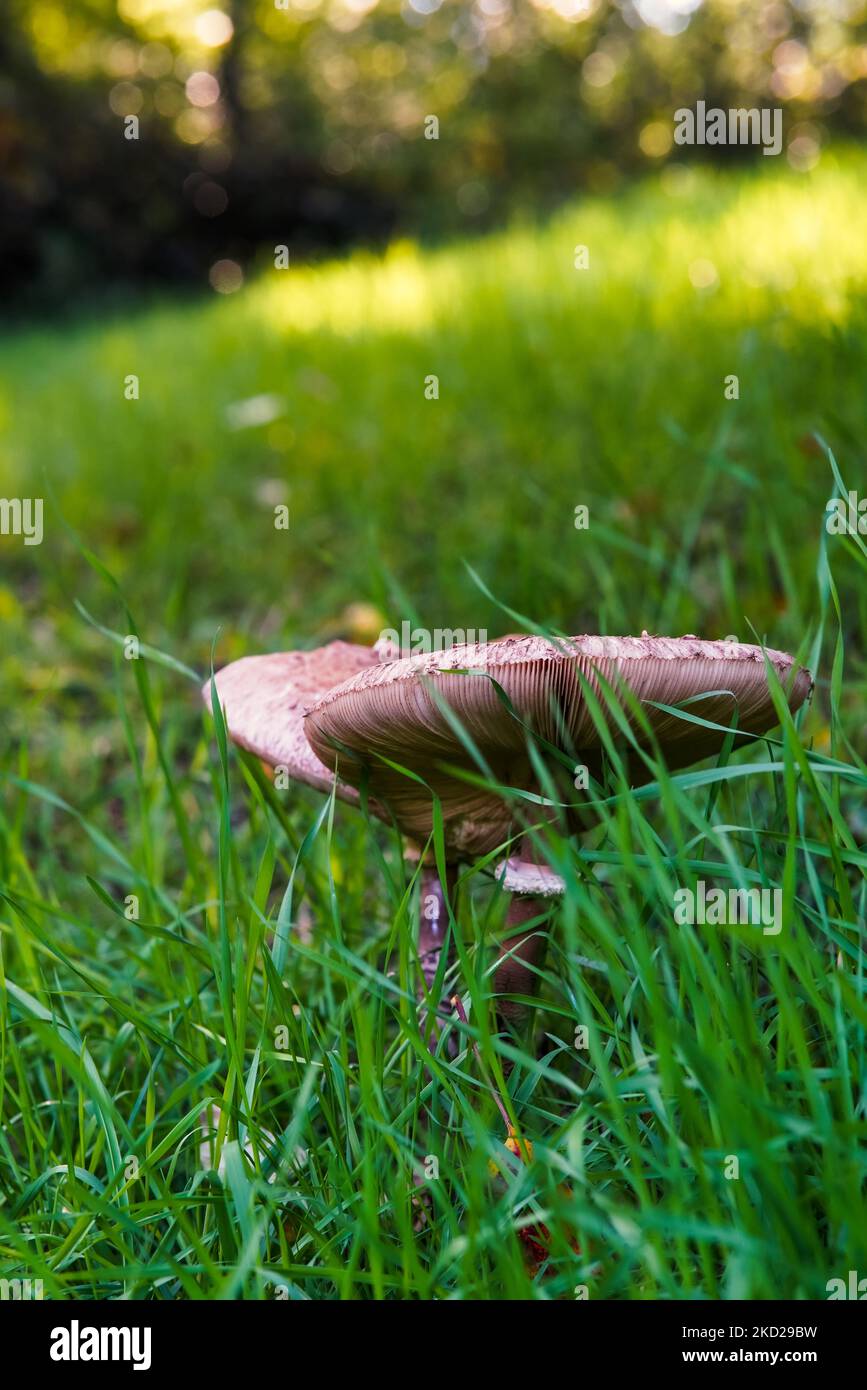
[[393, 711], [264, 699]]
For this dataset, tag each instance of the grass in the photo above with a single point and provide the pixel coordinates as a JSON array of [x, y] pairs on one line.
[[180, 940]]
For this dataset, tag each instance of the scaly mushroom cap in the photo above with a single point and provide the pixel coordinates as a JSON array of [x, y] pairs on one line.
[[264, 699], [393, 711]]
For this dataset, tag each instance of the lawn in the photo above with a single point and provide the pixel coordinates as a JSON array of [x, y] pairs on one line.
[[190, 957]]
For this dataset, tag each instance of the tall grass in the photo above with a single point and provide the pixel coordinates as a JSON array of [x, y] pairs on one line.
[[213, 1082]]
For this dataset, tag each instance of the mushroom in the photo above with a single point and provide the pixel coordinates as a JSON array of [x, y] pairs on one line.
[[440, 714], [264, 698]]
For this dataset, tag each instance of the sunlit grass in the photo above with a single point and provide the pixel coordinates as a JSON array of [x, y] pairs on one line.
[[776, 242]]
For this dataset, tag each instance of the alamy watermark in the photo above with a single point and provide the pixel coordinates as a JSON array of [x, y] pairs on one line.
[[852, 1287], [22, 516], [752, 907], [416, 641], [738, 126], [21, 1290], [77, 1343], [846, 515]]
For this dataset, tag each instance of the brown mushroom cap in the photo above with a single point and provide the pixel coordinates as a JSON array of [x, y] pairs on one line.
[[393, 711], [264, 699]]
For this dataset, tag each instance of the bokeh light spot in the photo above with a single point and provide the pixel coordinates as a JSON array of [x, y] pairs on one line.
[[202, 89], [226, 276], [655, 139], [703, 274], [214, 28]]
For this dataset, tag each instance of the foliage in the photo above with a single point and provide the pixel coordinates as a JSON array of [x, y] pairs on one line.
[[306, 125]]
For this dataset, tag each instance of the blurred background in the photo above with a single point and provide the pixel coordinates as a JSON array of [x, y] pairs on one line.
[[302, 122]]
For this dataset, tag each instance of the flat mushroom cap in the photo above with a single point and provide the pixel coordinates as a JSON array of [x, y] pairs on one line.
[[394, 710], [264, 699]]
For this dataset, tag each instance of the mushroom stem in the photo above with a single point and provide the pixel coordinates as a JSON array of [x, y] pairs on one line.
[[520, 951], [433, 926]]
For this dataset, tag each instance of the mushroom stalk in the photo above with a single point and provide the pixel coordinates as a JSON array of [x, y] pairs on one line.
[[433, 927], [433, 920], [520, 952]]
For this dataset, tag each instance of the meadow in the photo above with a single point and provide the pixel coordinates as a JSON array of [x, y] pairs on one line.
[[213, 1084]]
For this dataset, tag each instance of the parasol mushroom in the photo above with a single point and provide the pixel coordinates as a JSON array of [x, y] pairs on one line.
[[436, 714]]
